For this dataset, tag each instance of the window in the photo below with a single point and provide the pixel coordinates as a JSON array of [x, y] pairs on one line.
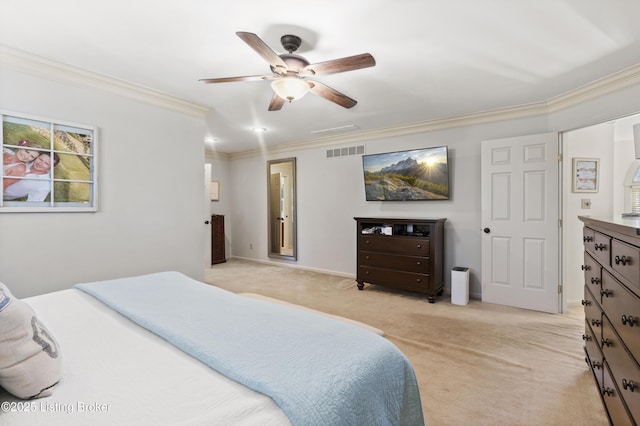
[[47, 165]]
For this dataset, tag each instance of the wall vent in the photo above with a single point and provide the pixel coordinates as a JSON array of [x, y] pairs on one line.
[[345, 151]]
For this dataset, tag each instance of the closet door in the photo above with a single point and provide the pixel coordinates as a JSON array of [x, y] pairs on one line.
[[520, 222]]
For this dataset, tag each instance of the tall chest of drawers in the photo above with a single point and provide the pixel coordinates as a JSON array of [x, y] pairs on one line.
[[612, 313], [406, 254]]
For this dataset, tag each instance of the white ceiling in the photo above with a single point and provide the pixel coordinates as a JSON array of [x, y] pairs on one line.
[[435, 58]]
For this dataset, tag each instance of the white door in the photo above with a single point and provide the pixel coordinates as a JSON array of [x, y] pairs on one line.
[[520, 222]]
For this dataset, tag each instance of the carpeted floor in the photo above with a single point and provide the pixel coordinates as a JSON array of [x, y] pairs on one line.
[[478, 364]]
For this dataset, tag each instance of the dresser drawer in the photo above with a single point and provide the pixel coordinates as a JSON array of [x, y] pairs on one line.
[[623, 310], [594, 353], [591, 304], [392, 278], [624, 260], [592, 274], [403, 245], [395, 261], [588, 237], [602, 248], [624, 369], [615, 407]]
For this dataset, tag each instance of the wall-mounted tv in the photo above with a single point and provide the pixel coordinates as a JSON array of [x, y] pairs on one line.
[[417, 174]]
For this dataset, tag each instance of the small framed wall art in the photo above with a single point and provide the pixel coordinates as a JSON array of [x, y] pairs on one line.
[[214, 190], [586, 174]]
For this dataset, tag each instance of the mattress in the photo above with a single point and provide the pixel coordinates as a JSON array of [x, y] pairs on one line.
[[136, 377]]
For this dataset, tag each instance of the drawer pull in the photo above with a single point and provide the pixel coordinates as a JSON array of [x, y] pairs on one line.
[[606, 342], [607, 391], [628, 320], [600, 246], [585, 302], [585, 267], [418, 263], [595, 280], [596, 365], [622, 259], [606, 292], [628, 384], [367, 242], [586, 338], [596, 323], [367, 257], [419, 245], [418, 280], [587, 239]]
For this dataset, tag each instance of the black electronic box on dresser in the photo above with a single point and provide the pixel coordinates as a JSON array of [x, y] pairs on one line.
[[406, 254], [612, 313]]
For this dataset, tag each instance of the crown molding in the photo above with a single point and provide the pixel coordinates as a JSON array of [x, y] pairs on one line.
[[612, 83], [42, 67], [36, 65], [210, 154], [405, 129]]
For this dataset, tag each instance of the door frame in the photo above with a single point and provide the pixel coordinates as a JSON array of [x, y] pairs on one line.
[[552, 227]]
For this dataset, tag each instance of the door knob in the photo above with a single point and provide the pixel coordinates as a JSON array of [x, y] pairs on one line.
[[486, 230]]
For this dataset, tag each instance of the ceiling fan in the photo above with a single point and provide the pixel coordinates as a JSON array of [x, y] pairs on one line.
[[289, 79]]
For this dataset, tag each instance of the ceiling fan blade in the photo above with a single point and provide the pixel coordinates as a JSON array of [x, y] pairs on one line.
[[245, 78], [331, 94], [276, 103], [256, 43], [349, 63]]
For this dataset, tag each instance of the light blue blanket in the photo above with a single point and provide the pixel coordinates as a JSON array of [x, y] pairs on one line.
[[319, 370]]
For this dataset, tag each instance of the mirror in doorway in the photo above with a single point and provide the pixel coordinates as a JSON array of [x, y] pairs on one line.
[[281, 200]]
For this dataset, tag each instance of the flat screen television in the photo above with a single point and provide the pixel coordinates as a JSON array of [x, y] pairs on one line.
[[413, 175]]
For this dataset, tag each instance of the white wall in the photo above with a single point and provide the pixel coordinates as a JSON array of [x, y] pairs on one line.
[[590, 142], [615, 150], [150, 192], [331, 192]]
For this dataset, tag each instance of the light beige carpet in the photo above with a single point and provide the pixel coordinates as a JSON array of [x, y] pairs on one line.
[[478, 364]]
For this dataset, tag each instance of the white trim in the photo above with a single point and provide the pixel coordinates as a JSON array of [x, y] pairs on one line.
[[37, 65], [296, 266], [612, 83]]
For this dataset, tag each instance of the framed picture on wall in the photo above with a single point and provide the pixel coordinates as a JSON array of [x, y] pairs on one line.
[[586, 174], [47, 165], [214, 190]]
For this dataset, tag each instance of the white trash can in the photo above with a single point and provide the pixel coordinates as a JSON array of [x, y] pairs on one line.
[[460, 285]]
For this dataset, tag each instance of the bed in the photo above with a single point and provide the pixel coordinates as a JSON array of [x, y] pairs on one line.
[[165, 349]]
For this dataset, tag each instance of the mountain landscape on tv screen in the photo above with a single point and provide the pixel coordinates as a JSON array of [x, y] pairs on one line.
[[408, 179]]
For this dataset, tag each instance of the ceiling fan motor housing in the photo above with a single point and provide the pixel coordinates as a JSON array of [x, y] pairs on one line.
[[295, 63], [290, 42]]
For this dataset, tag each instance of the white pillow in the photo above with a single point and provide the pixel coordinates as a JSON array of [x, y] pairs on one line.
[[30, 362]]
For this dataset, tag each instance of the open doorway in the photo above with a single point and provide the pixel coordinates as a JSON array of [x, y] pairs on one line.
[[612, 145]]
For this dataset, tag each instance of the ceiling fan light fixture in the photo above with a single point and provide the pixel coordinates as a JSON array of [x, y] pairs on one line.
[[290, 88]]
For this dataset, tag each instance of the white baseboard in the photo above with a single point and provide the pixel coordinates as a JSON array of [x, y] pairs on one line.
[[294, 266]]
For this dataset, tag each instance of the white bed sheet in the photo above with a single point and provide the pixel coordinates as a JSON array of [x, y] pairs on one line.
[[115, 372]]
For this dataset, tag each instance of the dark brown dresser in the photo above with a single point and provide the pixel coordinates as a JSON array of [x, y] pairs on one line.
[[406, 254], [217, 239], [612, 313]]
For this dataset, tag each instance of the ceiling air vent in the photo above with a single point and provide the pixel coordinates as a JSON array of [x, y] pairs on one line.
[[345, 151]]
